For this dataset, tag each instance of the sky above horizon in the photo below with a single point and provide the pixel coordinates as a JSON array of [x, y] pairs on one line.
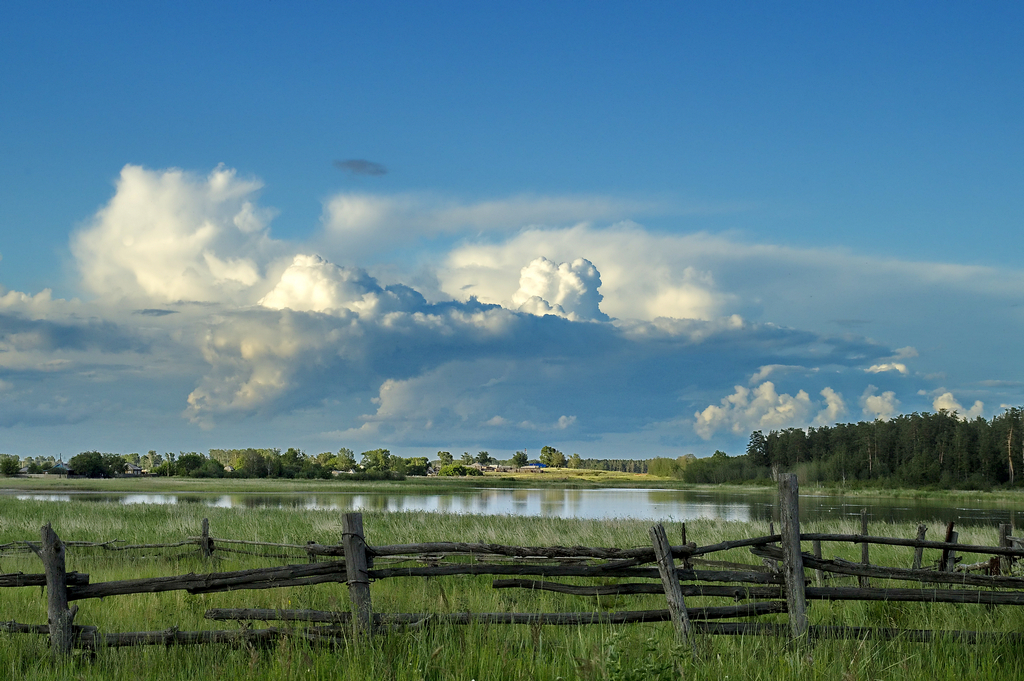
[[623, 232]]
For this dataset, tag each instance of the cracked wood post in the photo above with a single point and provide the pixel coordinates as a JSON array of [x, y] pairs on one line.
[[951, 556], [792, 559], [355, 569], [58, 614], [1005, 563], [919, 550], [670, 582], [205, 545]]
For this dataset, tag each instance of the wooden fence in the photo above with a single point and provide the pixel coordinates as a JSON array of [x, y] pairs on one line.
[[779, 585]]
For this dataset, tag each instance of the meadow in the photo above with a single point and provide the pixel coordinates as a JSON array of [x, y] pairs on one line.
[[644, 651]]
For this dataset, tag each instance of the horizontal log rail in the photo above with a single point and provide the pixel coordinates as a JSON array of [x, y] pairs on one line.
[[557, 618], [260, 578], [22, 579], [572, 571], [862, 633], [898, 541], [839, 566]]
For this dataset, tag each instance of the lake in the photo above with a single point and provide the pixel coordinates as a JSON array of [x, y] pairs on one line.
[[652, 504]]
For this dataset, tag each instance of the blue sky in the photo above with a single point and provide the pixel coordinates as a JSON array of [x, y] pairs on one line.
[[625, 232]]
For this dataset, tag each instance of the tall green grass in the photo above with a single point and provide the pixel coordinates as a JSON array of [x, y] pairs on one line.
[[462, 652]]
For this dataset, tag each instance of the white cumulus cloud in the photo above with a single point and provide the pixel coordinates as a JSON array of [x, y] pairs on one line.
[[567, 289], [879, 407], [947, 402], [171, 236]]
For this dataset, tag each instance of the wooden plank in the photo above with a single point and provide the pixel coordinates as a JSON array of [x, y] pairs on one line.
[[356, 571], [792, 558], [752, 577], [670, 583]]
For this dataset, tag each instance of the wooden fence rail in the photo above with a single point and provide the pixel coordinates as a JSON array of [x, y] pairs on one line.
[[781, 587]]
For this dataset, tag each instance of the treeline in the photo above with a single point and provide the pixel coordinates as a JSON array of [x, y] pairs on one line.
[[939, 450]]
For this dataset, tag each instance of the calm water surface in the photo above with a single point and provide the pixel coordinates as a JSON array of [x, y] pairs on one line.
[[653, 504]]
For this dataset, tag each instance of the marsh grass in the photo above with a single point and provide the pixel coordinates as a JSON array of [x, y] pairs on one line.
[[462, 652]]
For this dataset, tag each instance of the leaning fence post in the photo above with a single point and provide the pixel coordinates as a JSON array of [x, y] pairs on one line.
[[670, 582], [951, 558], [1005, 563], [57, 613], [205, 545], [945, 552], [919, 550], [792, 559], [356, 571], [819, 575], [863, 582]]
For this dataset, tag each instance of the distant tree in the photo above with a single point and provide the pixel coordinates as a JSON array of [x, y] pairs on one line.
[[575, 461], [416, 465], [445, 458], [467, 458], [345, 461], [90, 465], [483, 458], [376, 460], [551, 457], [188, 462], [664, 468], [757, 449], [132, 458], [9, 464], [519, 459]]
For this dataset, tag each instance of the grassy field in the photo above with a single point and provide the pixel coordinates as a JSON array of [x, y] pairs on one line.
[[450, 652]]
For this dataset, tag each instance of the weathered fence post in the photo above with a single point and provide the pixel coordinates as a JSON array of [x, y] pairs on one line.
[[951, 558], [919, 550], [864, 582], [1005, 563], [792, 559], [58, 614], [670, 582], [819, 575], [355, 569], [205, 545], [945, 552]]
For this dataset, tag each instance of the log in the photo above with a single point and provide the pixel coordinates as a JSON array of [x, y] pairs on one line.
[[844, 567], [670, 583], [873, 633], [356, 571], [951, 554], [260, 578], [556, 618], [792, 558], [899, 541], [22, 579], [735, 592], [58, 615], [819, 576], [572, 571], [205, 543], [174, 637]]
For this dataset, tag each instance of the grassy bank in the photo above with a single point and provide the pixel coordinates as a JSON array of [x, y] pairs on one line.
[[474, 652]]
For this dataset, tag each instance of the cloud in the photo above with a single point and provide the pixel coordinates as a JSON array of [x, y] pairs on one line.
[[643, 276], [769, 369], [888, 366], [362, 224], [834, 411], [170, 236], [567, 290], [311, 284], [761, 408], [879, 407], [359, 166], [946, 402]]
